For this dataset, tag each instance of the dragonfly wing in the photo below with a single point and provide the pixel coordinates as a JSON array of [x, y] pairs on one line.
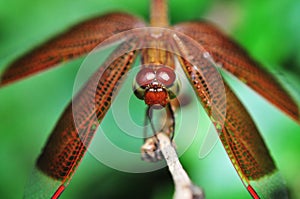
[[248, 152], [239, 135], [234, 59], [72, 135], [204, 76], [78, 41]]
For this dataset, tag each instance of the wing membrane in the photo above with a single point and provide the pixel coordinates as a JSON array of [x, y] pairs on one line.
[[205, 78], [72, 135], [78, 41], [239, 135], [248, 152], [235, 60]]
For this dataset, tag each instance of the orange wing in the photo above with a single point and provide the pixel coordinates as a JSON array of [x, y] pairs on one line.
[[75, 129], [239, 135], [248, 152], [78, 41], [235, 60], [69, 140]]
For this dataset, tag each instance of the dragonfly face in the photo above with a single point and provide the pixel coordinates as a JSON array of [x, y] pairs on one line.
[[156, 85]]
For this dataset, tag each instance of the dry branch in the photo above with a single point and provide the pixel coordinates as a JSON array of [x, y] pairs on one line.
[[154, 150]]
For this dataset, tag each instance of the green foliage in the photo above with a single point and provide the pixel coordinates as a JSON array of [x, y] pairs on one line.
[[29, 109]]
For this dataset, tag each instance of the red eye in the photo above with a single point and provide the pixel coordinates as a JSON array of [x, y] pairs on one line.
[[166, 76], [145, 76]]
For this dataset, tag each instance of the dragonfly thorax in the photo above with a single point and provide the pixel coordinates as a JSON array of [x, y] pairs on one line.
[[156, 85]]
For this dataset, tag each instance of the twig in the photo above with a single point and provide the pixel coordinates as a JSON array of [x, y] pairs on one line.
[[184, 188]]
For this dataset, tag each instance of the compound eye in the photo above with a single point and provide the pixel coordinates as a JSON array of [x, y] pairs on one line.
[[145, 76], [166, 76]]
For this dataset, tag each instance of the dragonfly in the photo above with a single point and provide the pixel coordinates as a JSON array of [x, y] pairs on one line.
[[198, 47]]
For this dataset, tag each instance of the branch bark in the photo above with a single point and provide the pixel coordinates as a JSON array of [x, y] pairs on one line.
[[184, 188]]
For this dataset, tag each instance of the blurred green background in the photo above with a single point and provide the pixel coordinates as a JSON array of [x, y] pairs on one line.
[[29, 109]]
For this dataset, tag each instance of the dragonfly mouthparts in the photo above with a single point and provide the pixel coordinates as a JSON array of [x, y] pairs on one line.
[[156, 96]]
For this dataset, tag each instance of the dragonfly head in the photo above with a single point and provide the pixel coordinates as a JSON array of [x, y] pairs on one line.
[[156, 85]]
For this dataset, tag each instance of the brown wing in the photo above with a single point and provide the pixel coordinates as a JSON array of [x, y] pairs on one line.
[[248, 152], [204, 76], [235, 60], [239, 135], [78, 41], [72, 135]]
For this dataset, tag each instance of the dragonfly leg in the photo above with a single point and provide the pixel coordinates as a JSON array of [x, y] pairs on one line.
[[149, 114], [150, 149], [169, 127]]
